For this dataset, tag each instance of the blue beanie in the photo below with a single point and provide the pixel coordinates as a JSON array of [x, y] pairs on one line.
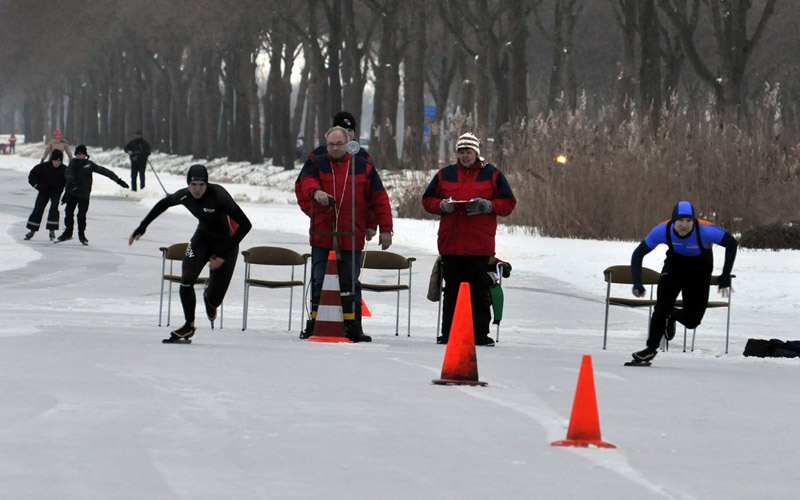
[[682, 209]]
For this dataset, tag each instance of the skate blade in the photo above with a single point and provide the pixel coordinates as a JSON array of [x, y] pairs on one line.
[[638, 363], [176, 341]]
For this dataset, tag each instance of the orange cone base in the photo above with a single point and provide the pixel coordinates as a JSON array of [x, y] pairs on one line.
[[447, 381], [365, 312], [579, 443], [331, 340]]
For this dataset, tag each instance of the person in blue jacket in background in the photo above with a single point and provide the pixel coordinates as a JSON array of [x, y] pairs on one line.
[[687, 270]]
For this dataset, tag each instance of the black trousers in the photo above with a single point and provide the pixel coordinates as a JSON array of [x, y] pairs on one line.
[[69, 213], [472, 269], [35, 220], [197, 254], [689, 276], [138, 168]]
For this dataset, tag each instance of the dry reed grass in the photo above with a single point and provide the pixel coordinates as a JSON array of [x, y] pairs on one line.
[[620, 180]]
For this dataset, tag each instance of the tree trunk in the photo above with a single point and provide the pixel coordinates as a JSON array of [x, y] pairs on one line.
[[211, 107], [519, 63], [354, 64], [387, 83], [626, 79], [335, 21], [445, 73], [414, 85], [300, 103], [650, 69], [279, 88]]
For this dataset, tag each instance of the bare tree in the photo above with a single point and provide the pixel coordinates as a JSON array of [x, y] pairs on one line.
[[650, 68], [387, 84], [563, 80], [734, 45], [518, 27], [414, 82], [358, 33], [625, 16]]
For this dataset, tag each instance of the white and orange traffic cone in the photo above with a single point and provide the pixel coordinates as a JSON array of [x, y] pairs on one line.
[[329, 324]]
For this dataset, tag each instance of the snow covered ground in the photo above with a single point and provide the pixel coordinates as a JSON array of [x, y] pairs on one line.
[[94, 406]]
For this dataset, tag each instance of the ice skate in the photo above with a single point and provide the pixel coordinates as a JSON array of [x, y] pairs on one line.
[[642, 358], [65, 236], [211, 311], [669, 331]]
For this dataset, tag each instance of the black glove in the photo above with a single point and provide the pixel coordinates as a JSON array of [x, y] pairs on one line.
[[639, 288], [123, 183], [479, 206], [724, 281], [64, 199]]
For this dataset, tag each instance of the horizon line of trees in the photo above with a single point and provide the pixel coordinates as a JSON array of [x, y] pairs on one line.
[[188, 74]]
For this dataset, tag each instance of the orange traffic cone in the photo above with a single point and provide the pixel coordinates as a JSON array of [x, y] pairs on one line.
[[365, 312], [460, 365], [584, 424], [329, 325]]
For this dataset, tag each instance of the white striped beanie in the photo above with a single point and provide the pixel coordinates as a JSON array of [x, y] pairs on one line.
[[469, 141]]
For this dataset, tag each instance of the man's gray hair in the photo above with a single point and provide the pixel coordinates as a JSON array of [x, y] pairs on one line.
[[335, 129]]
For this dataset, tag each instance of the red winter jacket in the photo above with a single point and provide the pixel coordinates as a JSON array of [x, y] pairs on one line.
[[334, 177], [459, 233]]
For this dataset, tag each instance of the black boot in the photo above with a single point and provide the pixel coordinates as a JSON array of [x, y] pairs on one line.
[[350, 330], [30, 234], [309, 331], [82, 238], [485, 340], [362, 337], [52, 235], [645, 355], [184, 332], [66, 235]]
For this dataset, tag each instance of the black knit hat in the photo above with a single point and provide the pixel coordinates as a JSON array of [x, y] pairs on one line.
[[81, 150], [56, 155], [682, 209], [345, 120], [197, 172]]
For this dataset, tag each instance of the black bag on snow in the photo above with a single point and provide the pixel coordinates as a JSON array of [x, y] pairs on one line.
[[773, 348]]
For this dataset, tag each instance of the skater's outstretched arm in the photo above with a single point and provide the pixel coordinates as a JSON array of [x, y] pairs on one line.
[[636, 268], [158, 209]]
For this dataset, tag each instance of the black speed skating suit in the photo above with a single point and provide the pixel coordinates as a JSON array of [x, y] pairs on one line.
[[222, 226]]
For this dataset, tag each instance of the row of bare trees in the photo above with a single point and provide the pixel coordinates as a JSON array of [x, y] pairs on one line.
[[246, 79]]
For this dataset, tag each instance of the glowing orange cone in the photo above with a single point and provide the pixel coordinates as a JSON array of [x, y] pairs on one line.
[[365, 312], [460, 365], [584, 424], [329, 325]]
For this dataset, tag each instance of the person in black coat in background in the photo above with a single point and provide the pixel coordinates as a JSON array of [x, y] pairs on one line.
[[138, 150], [79, 189], [48, 179], [221, 227]]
